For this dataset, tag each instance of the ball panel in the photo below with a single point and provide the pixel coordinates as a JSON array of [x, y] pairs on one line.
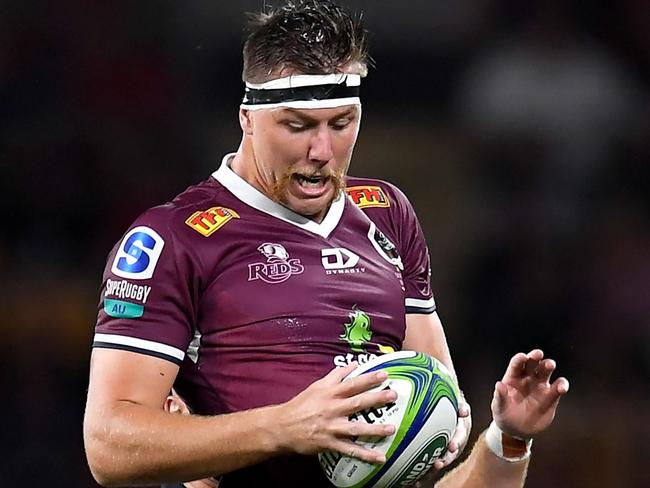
[[428, 445]]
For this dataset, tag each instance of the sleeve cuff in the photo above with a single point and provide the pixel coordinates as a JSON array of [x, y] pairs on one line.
[[417, 305]]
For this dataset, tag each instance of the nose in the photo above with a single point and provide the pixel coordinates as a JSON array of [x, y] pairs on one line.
[[320, 147]]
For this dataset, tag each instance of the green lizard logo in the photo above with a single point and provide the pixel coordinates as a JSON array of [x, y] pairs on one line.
[[358, 331]]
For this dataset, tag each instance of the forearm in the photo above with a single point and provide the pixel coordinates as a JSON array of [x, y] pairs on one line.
[[424, 333], [483, 469], [136, 444]]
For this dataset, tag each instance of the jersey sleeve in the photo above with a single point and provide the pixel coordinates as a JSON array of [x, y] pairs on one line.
[[147, 303], [393, 214], [415, 258]]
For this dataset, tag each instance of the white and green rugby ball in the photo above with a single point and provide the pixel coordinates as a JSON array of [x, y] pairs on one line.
[[425, 415]]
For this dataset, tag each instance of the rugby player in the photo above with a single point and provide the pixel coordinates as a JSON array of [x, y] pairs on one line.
[[256, 291]]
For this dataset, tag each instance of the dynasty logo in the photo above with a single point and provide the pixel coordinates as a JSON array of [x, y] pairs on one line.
[[368, 196], [207, 222], [278, 266], [338, 260]]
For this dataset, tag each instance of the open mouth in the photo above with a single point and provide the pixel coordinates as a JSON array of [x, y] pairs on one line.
[[310, 181]]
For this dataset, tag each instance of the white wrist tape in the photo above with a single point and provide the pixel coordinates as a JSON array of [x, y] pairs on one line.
[[506, 447]]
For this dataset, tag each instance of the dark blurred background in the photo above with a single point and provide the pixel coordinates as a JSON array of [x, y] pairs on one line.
[[520, 131]]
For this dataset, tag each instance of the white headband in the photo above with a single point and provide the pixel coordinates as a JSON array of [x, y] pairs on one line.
[[304, 91]]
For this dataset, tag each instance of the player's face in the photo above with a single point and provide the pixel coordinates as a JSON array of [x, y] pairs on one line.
[[302, 156]]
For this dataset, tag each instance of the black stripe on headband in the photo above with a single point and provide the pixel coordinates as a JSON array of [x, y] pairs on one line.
[[302, 93]]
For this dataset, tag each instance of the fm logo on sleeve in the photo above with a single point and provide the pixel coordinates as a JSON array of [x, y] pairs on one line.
[[368, 196], [138, 254]]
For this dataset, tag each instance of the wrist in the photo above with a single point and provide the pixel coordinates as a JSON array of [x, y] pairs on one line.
[[505, 446], [270, 426]]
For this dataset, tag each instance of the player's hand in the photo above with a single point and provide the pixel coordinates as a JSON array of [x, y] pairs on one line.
[[316, 420], [524, 401], [460, 438]]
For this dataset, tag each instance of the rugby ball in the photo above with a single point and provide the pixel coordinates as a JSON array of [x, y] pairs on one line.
[[425, 415]]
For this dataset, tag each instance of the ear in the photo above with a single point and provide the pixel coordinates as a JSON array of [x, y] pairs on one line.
[[246, 121]]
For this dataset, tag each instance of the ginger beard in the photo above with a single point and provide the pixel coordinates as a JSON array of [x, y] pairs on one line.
[[280, 190]]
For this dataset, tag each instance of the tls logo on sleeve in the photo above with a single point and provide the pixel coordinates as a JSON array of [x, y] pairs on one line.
[[368, 196], [207, 222], [138, 254]]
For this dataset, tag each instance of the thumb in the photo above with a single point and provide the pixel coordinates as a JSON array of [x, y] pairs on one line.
[[499, 398]]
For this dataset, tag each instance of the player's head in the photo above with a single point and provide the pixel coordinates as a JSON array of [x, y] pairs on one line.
[[303, 63], [315, 37]]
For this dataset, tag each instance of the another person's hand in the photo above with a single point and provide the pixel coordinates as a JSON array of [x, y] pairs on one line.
[[316, 420], [525, 401]]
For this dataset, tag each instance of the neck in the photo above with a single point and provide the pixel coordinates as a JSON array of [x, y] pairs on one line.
[[243, 165]]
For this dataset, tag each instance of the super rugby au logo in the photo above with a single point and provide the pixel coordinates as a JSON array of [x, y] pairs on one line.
[[278, 266]]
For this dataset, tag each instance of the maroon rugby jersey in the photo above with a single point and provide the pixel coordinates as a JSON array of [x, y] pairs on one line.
[[256, 302]]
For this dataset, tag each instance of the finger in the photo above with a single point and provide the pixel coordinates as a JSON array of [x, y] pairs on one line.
[[464, 409], [353, 450], [361, 383], [545, 370], [558, 389], [449, 456], [461, 434], [562, 385], [355, 429], [363, 401], [337, 375], [533, 359], [515, 366]]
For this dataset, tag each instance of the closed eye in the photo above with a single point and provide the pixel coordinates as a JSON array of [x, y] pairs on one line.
[[341, 124]]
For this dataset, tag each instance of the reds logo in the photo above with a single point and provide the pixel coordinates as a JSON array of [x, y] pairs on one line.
[[207, 222], [368, 196], [278, 266]]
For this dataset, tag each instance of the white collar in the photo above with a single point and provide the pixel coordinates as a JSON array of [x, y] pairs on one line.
[[251, 196]]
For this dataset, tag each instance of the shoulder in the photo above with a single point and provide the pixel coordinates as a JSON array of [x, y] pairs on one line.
[[376, 197], [199, 208], [197, 212], [372, 192]]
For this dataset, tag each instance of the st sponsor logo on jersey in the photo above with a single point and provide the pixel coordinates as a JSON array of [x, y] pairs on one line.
[[358, 334], [338, 260], [278, 266], [368, 196], [138, 254], [123, 289], [207, 222]]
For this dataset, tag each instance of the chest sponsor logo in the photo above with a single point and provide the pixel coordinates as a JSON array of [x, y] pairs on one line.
[[368, 196], [358, 335], [138, 254], [278, 266], [338, 260], [207, 222], [122, 289]]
